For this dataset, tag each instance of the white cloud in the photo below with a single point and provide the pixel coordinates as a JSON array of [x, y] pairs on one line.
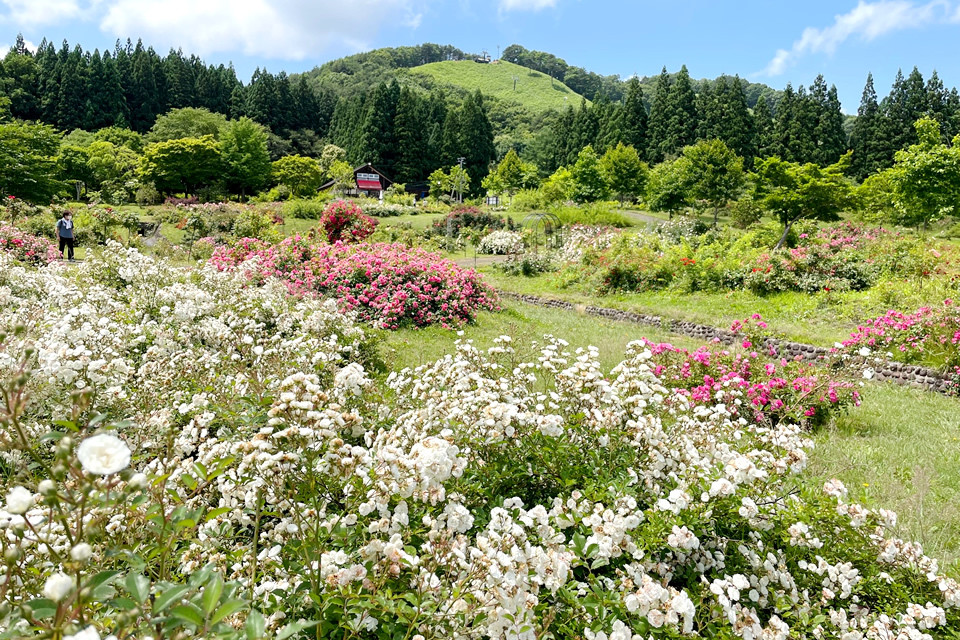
[[285, 29], [29, 13], [526, 5], [868, 20]]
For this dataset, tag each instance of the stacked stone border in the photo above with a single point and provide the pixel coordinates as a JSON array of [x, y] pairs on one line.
[[906, 375]]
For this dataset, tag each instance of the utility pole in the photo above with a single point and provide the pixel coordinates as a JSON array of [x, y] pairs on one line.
[[460, 162]]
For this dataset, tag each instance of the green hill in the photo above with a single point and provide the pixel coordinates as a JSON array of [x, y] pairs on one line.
[[502, 80]]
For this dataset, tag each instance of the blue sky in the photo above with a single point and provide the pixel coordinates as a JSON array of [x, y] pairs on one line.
[[764, 40]]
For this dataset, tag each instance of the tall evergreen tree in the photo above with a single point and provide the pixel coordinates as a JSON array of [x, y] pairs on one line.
[[476, 139], [412, 147], [681, 115], [659, 119], [22, 73], [766, 141], [634, 116], [143, 98], [72, 105], [868, 134], [829, 138], [377, 134]]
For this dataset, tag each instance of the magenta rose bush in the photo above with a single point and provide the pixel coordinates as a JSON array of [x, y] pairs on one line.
[[928, 336], [344, 221], [752, 381], [388, 285], [26, 247]]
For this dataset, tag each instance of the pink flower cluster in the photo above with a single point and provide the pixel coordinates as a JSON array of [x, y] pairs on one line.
[[388, 285], [345, 222], [765, 390], [930, 335], [27, 247]]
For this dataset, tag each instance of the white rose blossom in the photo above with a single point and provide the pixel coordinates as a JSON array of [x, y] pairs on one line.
[[19, 500], [58, 586], [103, 454]]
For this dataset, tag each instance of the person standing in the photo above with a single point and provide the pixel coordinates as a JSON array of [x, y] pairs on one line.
[[65, 233]]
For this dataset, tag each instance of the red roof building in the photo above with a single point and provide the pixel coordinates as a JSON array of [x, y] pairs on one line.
[[370, 182]]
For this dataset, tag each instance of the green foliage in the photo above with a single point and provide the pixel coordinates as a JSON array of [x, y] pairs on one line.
[[598, 213], [188, 122], [926, 177], [714, 173], [28, 161], [668, 188], [625, 174], [182, 165], [559, 187], [301, 175], [793, 191], [745, 213], [121, 137], [111, 166], [589, 182], [246, 161]]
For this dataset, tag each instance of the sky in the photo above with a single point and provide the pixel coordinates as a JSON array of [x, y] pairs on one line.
[[769, 41]]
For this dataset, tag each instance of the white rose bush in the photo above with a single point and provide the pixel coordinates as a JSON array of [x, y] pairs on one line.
[[186, 455]]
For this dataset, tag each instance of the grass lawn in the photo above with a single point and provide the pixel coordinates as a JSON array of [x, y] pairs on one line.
[[900, 450], [822, 318], [534, 90]]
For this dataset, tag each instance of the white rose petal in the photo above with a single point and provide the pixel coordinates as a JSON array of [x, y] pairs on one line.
[[81, 552], [19, 500], [58, 587], [88, 633], [103, 454]]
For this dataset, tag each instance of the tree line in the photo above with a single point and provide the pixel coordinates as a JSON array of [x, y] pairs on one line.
[[408, 132]]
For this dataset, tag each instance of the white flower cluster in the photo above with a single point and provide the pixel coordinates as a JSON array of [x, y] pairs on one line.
[[501, 243], [492, 494]]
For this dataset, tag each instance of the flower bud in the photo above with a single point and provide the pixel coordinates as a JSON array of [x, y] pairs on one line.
[[12, 554]]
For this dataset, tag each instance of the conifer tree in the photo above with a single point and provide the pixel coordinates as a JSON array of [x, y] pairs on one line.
[[633, 120], [867, 139], [829, 139], [766, 142], [412, 146], [659, 119], [476, 138], [682, 115], [72, 103], [376, 133]]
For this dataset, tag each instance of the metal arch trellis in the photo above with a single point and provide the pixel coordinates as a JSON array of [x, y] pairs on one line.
[[547, 224]]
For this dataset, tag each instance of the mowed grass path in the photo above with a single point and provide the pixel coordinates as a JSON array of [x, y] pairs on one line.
[[900, 450]]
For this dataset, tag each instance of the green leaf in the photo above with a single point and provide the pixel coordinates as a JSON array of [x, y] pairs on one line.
[[295, 627], [215, 513], [211, 593], [229, 608], [188, 481], [104, 577], [188, 612], [42, 608], [256, 625], [168, 597]]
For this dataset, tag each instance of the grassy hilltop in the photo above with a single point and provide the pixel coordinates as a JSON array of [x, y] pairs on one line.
[[534, 90]]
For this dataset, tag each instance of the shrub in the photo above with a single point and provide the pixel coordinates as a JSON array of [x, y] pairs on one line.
[[745, 213], [181, 201], [345, 222], [599, 214], [304, 209], [529, 264], [468, 217], [147, 195], [26, 247], [501, 243], [387, 285], [930, 336], [251, 223]]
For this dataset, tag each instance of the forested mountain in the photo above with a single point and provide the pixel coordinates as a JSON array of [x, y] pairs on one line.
[[406, 111]]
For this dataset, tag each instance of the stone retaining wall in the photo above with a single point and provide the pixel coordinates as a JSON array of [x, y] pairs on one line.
[[889, 371]]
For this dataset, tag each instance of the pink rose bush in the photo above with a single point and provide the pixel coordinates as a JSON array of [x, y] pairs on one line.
[[26, 247], [751, 381], [929, 336], [388, 285], [345, 222]]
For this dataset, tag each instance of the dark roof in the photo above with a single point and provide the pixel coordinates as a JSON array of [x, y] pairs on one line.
[[365, 168]]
